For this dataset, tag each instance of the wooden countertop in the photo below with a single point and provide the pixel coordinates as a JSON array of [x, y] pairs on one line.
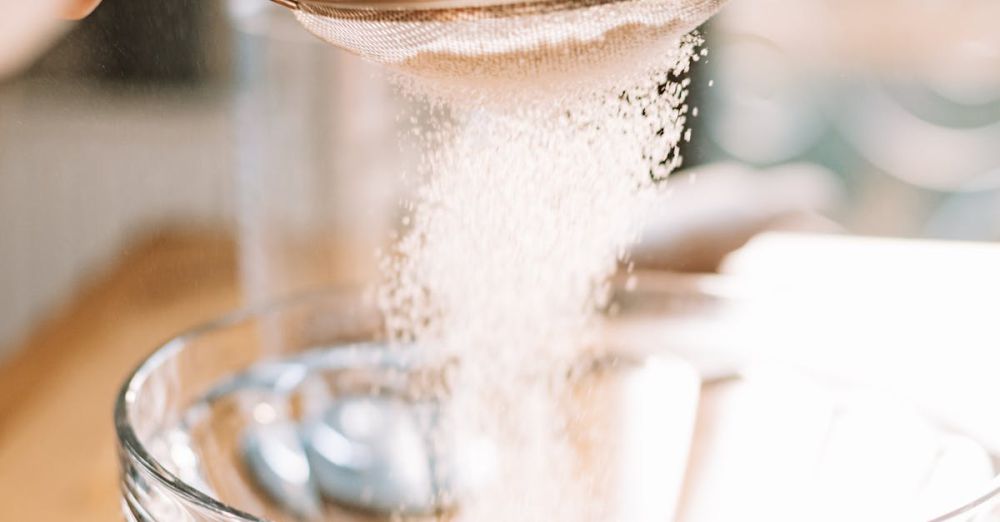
[[57, 445]]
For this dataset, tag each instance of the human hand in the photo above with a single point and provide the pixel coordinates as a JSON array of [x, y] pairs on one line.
[[28, 27], [77, 9]]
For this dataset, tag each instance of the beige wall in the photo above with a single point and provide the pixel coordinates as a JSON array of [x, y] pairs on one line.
[[82, 170]]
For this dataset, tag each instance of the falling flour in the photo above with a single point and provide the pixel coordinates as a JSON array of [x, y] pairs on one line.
[[529, 197]]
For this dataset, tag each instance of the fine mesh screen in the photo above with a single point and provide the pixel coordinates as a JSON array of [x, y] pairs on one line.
[[511, 40]]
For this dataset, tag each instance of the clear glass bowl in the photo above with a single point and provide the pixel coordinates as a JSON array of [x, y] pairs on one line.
[[162, 478], [183, 416]]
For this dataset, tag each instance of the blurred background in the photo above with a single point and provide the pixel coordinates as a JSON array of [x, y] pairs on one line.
[[224, 118], [163, 162]]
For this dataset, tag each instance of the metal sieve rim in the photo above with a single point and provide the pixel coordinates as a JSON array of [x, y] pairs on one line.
[[408, 4]]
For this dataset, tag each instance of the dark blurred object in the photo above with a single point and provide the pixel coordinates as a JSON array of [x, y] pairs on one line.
[[174, 42]]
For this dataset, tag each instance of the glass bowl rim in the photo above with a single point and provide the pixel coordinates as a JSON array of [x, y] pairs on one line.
[[128, 440]]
